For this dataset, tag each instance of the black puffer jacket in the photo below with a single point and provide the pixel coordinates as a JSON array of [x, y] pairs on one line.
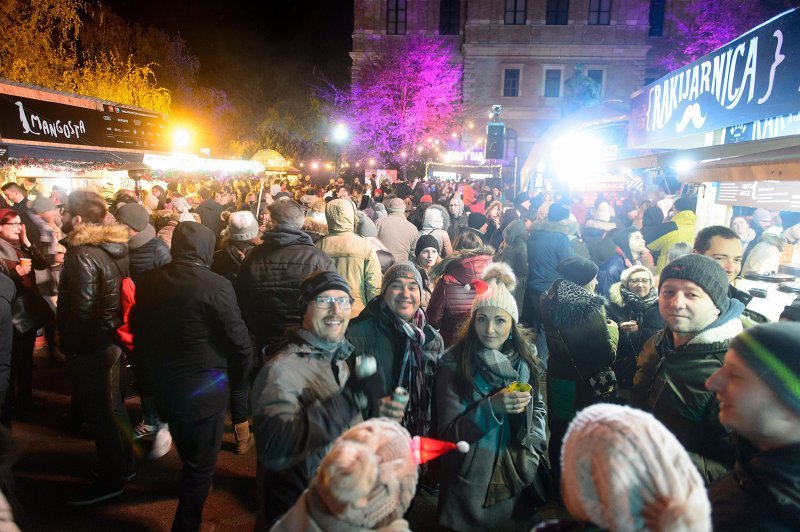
[[146, 252], [268, 286], [7, 294], [89, 292]]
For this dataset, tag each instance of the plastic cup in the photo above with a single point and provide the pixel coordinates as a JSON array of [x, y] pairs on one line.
[[24, 262], [520, 387]]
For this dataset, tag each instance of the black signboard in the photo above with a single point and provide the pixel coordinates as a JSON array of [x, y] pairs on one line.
[[751, 78], [113, 127], [771, 195]]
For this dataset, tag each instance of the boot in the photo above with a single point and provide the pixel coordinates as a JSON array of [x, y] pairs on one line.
[[242, 433]]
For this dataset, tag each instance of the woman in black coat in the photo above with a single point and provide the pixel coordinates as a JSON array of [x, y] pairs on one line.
[[188, 329]]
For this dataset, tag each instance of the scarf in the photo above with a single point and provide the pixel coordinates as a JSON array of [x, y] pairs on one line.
[[516, 464], [416, 370], [638, 305]]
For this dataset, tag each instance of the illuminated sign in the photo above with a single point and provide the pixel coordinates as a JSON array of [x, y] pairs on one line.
[[464, 156]]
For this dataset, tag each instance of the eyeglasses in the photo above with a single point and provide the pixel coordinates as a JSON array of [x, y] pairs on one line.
[[14, 223], [326, 302], [638, 281]]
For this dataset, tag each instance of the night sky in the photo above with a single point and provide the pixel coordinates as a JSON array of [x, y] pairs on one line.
[[239, 40]]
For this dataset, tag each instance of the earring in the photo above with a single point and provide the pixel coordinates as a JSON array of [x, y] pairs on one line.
[[511, 336]]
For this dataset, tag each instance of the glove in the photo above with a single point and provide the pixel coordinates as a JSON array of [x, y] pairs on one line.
[[367, 391]]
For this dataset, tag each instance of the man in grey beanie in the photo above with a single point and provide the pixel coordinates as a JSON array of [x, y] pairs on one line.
[[701, 319], [395, 330]]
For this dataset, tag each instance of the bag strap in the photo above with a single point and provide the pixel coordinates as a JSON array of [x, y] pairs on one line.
[[580, 375]]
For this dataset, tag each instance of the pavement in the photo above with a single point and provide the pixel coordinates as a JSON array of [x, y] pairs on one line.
[[56, 460]]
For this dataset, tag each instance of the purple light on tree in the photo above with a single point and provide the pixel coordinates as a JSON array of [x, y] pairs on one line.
[[400, 98]]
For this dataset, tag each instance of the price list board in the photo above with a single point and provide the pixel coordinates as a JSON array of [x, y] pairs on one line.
[[771, 195]]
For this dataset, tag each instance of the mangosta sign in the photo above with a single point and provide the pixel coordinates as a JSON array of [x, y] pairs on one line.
[[754, 77]]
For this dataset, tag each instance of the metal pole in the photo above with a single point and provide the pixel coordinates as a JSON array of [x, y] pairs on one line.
[[260, 192]]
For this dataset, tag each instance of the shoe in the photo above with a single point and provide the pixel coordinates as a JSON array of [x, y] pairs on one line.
[[128, 476], [161, 444], [142, 430], [96, 493], [241, 432]]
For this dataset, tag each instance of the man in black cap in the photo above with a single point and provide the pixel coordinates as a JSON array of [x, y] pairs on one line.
[[758, 388], [305, 395], [701, 319]]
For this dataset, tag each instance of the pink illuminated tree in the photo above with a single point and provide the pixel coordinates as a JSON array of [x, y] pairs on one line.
[[400, 98]]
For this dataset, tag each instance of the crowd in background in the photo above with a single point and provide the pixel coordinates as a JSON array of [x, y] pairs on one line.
[[596, 345]]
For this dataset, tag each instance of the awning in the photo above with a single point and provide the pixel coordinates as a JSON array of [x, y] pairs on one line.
[[19, 151], [775, 159]]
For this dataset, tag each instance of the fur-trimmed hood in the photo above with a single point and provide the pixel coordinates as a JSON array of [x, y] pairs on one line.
[[113, 238], [456, 257], [567, 304], [428, 220], [310, 225], [548, 226]]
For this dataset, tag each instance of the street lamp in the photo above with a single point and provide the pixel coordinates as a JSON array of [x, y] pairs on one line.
[[339, 135]]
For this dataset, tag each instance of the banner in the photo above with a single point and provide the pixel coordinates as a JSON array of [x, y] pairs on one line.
[[754, 77]]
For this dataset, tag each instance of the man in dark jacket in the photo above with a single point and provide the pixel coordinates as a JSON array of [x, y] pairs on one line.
[[269, 278], [145, 252], [305, 396], [7, 293], [395, 330], [90, 310], [188, 330], [16, 195], [758, 388], [701, 319], [210, 211]]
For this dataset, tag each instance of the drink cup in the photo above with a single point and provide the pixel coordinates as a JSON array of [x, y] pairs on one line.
[[520, 387], [24, 262]]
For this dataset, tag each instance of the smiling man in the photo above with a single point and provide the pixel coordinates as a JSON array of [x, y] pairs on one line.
[[758, 389], [305, 397], [395, 330], [700, 319]]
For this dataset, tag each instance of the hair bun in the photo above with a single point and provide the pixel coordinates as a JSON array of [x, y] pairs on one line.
[[502, 273]]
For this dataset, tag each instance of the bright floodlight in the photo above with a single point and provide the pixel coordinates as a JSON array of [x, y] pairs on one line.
[[683, 165], [181, 138], [340, 133], [577, 156]]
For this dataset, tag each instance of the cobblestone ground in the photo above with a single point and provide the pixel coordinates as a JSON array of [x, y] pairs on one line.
[[55, 462]]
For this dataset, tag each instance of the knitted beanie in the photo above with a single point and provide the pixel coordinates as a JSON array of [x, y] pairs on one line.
[[42, 204], [427, 241], [426, 199], [476, 220], [396, 205], [495, 291], [702, 271], [319, 282], [404, 270], [557, 212], [242, 225], [617, 462], [369, 476], [134, 216], [578, 270], [770, 350]]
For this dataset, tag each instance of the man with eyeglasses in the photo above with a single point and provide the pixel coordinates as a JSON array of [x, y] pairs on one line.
[[305, 396], [458, 218]]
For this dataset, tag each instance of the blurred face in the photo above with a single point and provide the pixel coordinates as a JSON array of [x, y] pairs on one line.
[[455, 208], [403, 297], [747, 405], [728, 253], [428, 257], [11, 230], [685, 307], [740, 225], [492, 325], [639, 283], [636, 243], [13, 195], [342, 193], [327, 323], [765, 224]]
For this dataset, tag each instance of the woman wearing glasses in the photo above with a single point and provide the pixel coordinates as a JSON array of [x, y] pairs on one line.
[[30, 311], [629, 301]]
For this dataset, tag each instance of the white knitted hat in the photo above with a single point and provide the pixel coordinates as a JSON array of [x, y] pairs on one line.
[[618, 462], [495, 290], [242, 225], [369, 476]]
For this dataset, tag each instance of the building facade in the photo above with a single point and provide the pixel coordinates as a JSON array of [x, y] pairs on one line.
[[521, 53]]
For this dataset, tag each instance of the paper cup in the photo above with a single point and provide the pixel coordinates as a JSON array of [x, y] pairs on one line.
[[24, 262]]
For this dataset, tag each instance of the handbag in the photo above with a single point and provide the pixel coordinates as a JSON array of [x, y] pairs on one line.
[[30, 312]]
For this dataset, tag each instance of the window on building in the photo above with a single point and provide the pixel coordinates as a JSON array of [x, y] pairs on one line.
[[449, 17], [657, 18], [511, 145], [552, 83], [599, 12], [597, 75], [396, 17], [511, 82], [557, 12], [516, 11]]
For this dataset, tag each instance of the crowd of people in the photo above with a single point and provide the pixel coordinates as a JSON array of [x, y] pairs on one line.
[[595, 354]]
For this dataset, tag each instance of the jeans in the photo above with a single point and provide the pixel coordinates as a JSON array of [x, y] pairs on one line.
[[239, 405], [198, 443], [95, 377]]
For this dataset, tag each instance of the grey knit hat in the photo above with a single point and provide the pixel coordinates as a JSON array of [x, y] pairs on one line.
[[405, 270], [396, 205], [702, 271]]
